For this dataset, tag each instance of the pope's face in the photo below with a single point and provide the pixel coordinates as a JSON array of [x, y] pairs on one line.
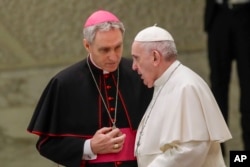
[[143, 63], [106, 49]]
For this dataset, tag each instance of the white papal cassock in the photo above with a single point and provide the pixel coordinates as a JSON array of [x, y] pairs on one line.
[[183, 125]]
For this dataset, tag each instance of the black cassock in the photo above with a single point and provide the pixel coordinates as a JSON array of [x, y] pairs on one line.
[[70, 110]]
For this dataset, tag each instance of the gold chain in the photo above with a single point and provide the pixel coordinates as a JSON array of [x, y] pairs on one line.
[[100, 93]]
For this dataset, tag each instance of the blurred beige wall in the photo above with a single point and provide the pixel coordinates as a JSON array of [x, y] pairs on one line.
[[38, 38]]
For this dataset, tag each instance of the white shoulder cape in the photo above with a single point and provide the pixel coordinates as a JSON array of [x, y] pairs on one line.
[[185, 110]]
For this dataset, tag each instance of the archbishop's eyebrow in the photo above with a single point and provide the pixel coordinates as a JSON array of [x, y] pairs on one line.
[[119, 44], [108, 48]]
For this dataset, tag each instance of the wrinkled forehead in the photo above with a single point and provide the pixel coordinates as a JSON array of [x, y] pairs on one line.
[[137, 50], [109, 39]]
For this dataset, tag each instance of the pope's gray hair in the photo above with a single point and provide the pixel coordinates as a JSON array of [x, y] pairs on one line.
[[89, 33], [166, 48]]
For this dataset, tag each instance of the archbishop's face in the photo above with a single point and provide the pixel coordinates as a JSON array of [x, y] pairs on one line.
[[106, 49]]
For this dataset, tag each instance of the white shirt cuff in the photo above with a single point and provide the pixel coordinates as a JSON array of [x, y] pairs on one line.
[[87, 151]]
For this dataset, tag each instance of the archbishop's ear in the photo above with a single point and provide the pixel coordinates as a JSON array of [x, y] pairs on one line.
[[86, 44]]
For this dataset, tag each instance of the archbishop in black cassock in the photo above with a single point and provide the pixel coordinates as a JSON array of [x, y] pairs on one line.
[[71, 110]]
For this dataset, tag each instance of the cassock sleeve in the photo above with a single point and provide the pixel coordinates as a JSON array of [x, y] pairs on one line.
[[183, 154], [66, 151]]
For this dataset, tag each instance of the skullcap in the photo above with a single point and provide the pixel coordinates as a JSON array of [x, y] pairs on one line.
[[153, 33], [100, 16]]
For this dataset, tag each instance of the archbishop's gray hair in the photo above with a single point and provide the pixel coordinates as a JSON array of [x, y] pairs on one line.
[[89, 33], [166, 48]]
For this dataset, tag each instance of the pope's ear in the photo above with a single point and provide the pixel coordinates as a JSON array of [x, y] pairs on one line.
[[157, 57]]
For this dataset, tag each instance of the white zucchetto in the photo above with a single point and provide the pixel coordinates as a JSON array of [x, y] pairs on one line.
[[153, 33]]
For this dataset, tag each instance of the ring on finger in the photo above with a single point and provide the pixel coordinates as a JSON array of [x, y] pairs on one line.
[[116, 146]]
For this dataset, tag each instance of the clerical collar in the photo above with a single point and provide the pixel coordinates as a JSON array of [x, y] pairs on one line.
[[167, 74], [104, 72]]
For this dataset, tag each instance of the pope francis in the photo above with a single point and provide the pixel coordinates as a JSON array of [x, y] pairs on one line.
[[183, 125]]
